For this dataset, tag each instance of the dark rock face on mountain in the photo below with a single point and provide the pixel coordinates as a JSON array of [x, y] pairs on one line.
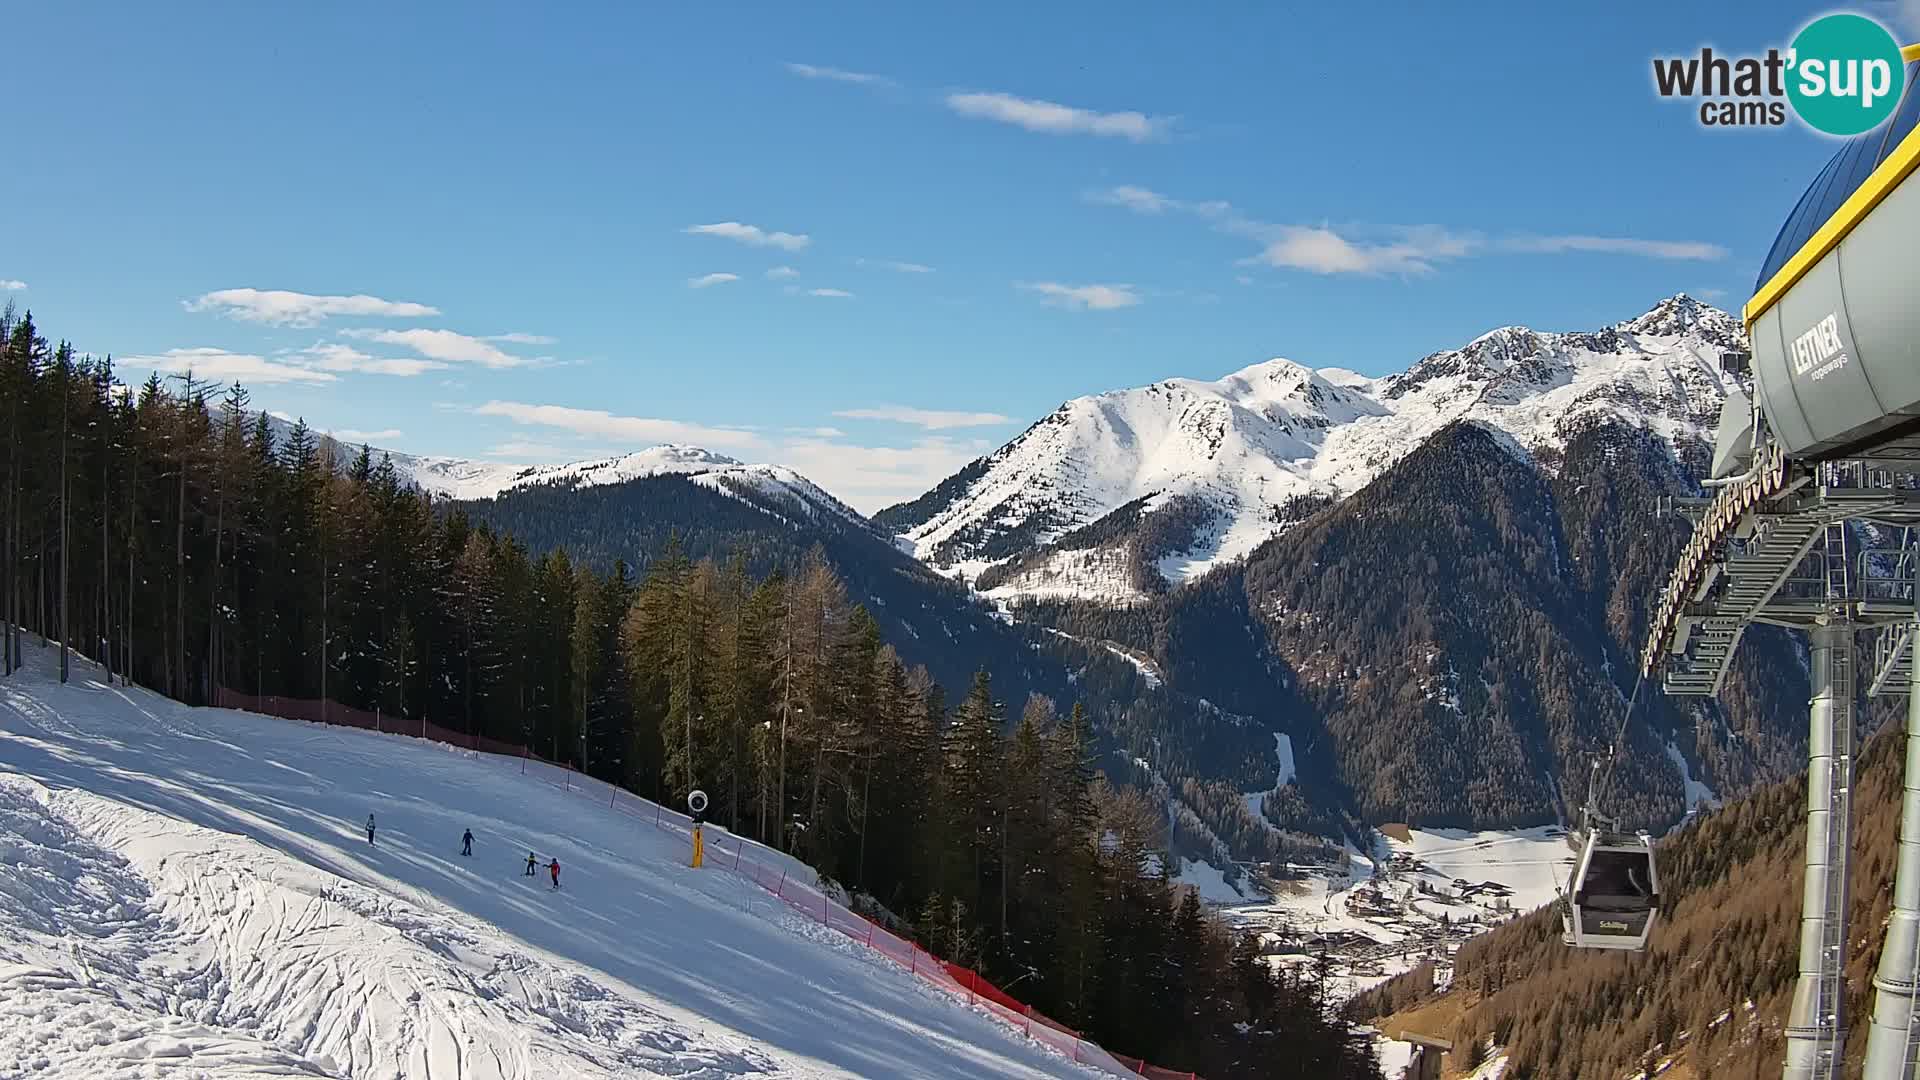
[[1454, 643]]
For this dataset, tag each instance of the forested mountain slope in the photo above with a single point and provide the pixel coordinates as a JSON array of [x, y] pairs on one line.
[[1456, 640], [1205, 752]]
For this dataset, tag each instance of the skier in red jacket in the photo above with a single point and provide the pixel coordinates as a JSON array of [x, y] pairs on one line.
[[554, 869]]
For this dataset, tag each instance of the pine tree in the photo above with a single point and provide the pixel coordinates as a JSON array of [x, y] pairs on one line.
[[475, 617], [399, 667], [63, 390], [970, 788]]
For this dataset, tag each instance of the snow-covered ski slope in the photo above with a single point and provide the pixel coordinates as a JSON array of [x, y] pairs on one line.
[[190, 893]]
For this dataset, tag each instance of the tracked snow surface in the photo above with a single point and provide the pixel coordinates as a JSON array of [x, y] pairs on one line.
[[190, 893], [1233, 455]]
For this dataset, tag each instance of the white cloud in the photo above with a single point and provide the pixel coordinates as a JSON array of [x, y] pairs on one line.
[[833, 293], [781, 272], [1051, 118], [522, 339], [219, 365], [896, 266], [1138, 199], [353, 436], [1385, 249], [333, 356], [632, 430], [1083, 297], [813, 71], [444, 345], [1146, 201], [868, 478], [751, 234], [931, 419], [1321, 250], [817, 432], [11, 285], [523, 451], [277, 307], [1617, 245], [705, 280], [1711, 294]]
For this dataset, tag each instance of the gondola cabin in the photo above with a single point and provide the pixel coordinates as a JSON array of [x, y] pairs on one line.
[[1615, 894]]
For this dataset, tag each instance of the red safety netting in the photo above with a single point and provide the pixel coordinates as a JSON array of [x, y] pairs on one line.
[[725, 851]]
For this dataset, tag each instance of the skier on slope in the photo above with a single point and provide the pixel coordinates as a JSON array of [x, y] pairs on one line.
[[466, 843], [369, 828], [554, 869], [530, 864]]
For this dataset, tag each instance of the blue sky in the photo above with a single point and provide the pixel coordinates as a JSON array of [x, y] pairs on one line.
[[869, 241]]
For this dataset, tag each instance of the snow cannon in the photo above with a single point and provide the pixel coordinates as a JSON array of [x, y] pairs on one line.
[[697, 807]]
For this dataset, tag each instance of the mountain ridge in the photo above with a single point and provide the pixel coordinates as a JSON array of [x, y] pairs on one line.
[[770, 488], [1232, 455]]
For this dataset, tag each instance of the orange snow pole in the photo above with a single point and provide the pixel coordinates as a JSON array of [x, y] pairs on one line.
[[699, 847]]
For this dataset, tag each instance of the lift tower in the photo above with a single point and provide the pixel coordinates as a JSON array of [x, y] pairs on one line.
[[1812, 525]]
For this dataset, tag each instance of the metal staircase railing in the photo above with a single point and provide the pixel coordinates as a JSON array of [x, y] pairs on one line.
[[1893, 644], [1754, 572]]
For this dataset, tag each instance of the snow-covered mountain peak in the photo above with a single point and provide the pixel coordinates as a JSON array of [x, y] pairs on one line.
[[1346, 378], [1298, 389], [775, 489], [1224, 465], [678, 457], [1680, 315], [669, 458], [1278, 373]]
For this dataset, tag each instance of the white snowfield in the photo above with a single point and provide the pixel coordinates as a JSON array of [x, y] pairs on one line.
[[190, 893], [1534, 862], [1244, 445]]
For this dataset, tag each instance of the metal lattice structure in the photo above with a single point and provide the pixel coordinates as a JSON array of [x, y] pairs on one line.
[[1815, 526], [1833, 550]]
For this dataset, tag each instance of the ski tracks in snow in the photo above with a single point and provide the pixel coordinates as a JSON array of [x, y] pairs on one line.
[[140, 946], [188, 893]]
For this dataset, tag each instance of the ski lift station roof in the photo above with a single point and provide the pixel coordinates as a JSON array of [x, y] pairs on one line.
[[1835, 330], [1843, 176]]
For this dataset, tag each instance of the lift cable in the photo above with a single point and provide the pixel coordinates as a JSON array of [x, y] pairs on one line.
[[1595, 790], [1619, 738]]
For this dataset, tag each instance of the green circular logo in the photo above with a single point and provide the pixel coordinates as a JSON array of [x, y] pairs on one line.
[[1845, 74]]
